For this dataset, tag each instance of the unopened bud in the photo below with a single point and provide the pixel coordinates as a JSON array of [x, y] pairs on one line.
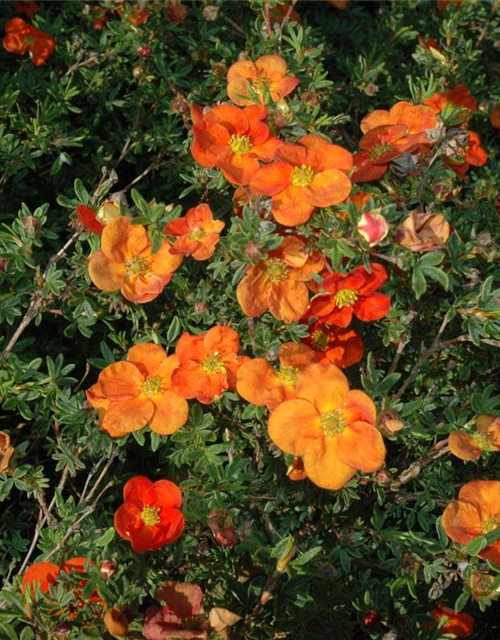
[[144, 51], [107, 569], [253, 251], [373, 227], [390, 422]]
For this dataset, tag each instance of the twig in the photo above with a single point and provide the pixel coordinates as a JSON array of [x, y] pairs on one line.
[[101, 476], [403, 341], [437, 451]]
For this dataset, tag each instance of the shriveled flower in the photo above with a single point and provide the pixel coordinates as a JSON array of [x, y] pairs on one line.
[[373, 227], [6, 451], [138, 392], [462, 156], [126, 262], [355, 294], [220, 524], [476, 512], [150, 517], [28, 7], [197, 233], [422, 232], [334, 345], [180, 617], [234, 140], [331, 427], [310, 174], [208, 364], [259, 383], [470, 446], [481, 586], [458, 623], [21, 38], [267, 76], [278, 283]]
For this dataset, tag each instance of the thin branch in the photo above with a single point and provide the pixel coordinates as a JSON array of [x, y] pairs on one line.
[[439, 450]]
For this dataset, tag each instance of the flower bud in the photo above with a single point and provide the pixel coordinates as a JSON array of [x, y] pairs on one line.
[[383, 476], [210, 13], [371, 618], [373, 227], [3, 264], [253, 251], [144, 51], [390, 422], [107, 569], [200, 306], [31, 224], [179, 104]]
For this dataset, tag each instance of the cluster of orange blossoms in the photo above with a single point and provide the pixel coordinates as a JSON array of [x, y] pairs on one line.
[[21, 38]]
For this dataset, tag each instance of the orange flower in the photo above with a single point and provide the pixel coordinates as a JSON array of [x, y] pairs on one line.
[[445, 4], [280, 11], [278, 283], [197, 233], [333, 345], [138, 392], [352, 294], [459, 96], [259, 383], [233, 140], [457, 622], [126, 262], [208, 364], [310, 174], [331, 427], [476, 512], [471, 446], [151, 516], [495, 117], [417, 118], [29, 7], [266, 76], [20, 37]]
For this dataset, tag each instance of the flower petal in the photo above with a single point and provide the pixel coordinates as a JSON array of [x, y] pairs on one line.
[[147, 357], [324, 468], [125, 416], [171, 413], [323, 385], [294, 427], [121, 380], [361, 446], [105, 274]]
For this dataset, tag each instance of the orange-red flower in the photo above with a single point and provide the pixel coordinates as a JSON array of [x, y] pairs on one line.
[[457, 622], [197, 233], [208, 364], [331, 427], [477, 511], [20, 37], [126, 262], [445, 4], [310, 174], [278, 283], [459, 96], [351, 294], [333, 345], [138, 392], [233, 139], [29, 7], [259, 383], [470, 446], [151, 516], [266, 76]]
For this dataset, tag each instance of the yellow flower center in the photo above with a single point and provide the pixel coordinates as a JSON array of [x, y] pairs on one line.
[[288, 375], [276, 270], [138, 266], [483, 441], [197, 234], [490, 523], [151, 386], [212, 365], [345, 298], [240, 145], [302, 176], [379, 150], [319, 340], [260, 85], [332, 423], [150, 516]]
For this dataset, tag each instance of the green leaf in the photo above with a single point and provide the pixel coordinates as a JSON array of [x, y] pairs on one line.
[[475, 546], [438, 275], [418, 282]]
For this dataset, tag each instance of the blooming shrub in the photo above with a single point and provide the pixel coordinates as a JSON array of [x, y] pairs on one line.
[[250, 313]]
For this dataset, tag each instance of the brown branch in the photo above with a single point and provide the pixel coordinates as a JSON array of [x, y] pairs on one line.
[[439, 450]]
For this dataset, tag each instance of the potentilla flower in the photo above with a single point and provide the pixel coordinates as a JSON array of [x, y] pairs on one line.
[[333, 345], [197, 233], [29, 7], [234, 140], [310, 174], [476, 512], [180, 615], [138, 392], [471, 153], [126, 262], [208, 364], [351, 294], [278, 283], [329, 426], [417, 118], [20, 37], [259, 383], [268, 74], [459, 96], [421, 232], [151, 516], [471, 446], [459, 623]]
